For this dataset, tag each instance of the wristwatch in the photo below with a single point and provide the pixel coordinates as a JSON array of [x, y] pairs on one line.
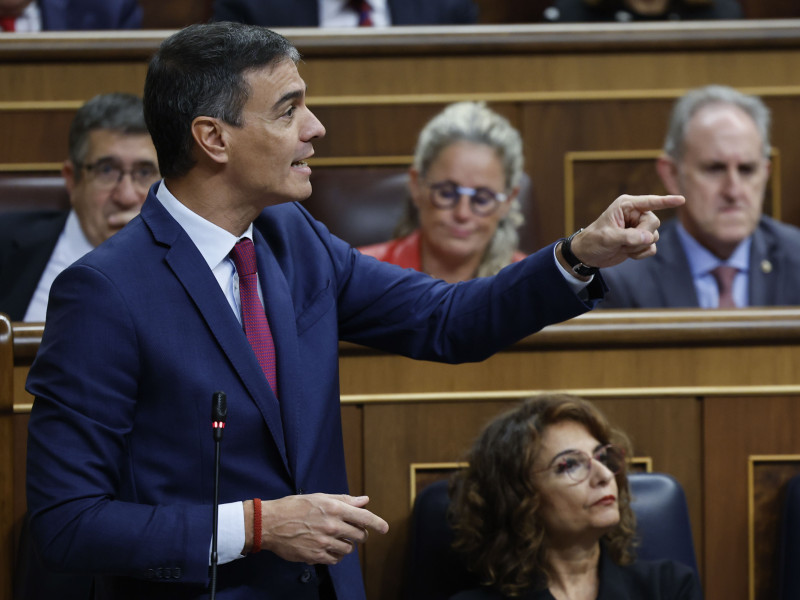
[[573, 261]]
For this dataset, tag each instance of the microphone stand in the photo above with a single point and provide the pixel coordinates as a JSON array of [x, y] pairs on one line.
[[219, 412]]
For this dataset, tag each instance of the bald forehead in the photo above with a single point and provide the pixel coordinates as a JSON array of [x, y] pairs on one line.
[[718, 116]]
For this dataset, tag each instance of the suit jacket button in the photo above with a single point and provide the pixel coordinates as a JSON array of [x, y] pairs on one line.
[[149, 574], [305, 577], [176, 573], [300, 491]]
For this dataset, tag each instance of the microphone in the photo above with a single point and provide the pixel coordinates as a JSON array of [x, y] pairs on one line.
[[219, 412]]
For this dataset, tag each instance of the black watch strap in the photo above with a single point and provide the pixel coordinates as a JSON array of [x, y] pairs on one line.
[[573, 261]]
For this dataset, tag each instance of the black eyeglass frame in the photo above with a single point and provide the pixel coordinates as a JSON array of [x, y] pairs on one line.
[[107, 180]]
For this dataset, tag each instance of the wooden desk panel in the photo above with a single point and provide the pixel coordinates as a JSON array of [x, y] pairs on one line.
[[699, 392]]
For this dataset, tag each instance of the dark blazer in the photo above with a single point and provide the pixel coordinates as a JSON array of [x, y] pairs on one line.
[[139, 336], [27, 240], [576, 11], [664, 280], [77, 15], [305, 13], [642, 580]]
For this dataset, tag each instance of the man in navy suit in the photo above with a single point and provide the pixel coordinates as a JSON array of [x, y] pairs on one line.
[[69, 15], [111, 165], [143, 330], [716, 154], [329, 13]]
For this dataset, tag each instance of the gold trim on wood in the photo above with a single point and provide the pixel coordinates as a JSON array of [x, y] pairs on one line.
[[30, 167], [634, 392], [361, 161], [433, 466], [643, 461], [40, 105], [447, 98], [570, 158], [751, 517], [590, 393]]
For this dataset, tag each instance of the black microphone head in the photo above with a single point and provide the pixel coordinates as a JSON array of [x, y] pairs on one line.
[[219, 407]]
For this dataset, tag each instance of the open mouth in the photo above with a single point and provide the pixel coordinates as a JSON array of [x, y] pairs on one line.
[[299, 163]]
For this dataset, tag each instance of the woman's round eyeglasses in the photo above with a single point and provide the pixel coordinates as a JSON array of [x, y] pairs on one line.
[[482, 201], [577, 465]]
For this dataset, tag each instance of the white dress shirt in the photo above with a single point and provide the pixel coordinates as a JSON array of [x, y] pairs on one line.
[[30, 21], [338, 13], [72, 244], [702, 262]]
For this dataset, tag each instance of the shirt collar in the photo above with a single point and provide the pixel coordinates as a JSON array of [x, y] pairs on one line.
[[702, 261], [213, 241]]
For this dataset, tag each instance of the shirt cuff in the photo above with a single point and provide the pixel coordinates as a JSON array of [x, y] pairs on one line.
[[230, 533]]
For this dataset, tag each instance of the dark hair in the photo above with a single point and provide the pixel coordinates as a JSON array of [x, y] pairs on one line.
[[121, 113], [495, 505], [199, 71]]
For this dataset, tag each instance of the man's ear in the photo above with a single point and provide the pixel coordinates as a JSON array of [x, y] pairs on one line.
[[210, 136], [68, 173], [667, 170]]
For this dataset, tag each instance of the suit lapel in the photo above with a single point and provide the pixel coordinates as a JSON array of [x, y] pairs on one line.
[[188, 265], [763, 284]]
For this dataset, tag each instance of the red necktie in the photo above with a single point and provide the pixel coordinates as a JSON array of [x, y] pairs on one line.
[[254, 318], [8, 23], [364, 10], [725, 275]]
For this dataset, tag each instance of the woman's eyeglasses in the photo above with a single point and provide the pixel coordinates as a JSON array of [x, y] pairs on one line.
[[577, 465], [482, 201]]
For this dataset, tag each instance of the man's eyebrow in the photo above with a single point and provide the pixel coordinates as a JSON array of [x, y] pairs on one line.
[[293, 95]]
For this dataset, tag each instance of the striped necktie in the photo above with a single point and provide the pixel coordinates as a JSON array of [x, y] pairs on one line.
[[254, 317]]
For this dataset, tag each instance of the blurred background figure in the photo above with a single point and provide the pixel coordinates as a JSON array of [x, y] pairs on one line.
[[543, 510], [346, 13], [111, 165], [721, 250], [578, 11], [26, 16], [462, 216]]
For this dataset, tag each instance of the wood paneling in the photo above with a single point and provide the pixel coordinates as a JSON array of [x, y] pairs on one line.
[[698, 392], [569, 89], [736, 428]]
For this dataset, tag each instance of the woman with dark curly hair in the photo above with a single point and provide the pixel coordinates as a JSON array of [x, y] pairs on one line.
[[543, 511]]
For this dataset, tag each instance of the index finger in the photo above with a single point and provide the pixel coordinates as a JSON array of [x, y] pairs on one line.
[[645, 203], [361, 517]]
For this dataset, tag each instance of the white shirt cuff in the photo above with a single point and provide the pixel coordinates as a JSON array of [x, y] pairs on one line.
[[230, 534]]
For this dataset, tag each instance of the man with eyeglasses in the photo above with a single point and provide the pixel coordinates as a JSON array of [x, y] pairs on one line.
[[111, 165]]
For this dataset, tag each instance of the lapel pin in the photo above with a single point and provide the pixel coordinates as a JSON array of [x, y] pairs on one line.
[[766, 266]]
